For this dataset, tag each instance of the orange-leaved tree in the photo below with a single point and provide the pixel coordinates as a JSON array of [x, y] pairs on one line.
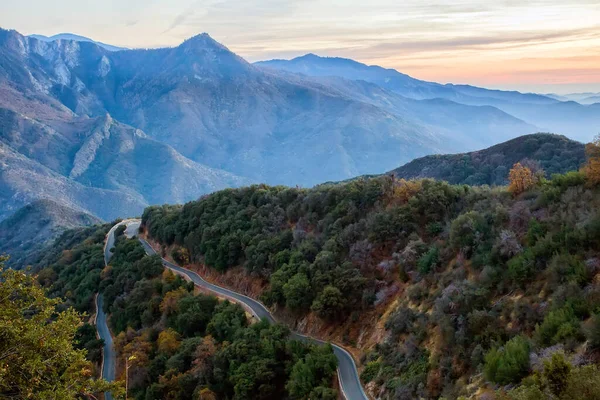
[[521, 178], [591, 169]]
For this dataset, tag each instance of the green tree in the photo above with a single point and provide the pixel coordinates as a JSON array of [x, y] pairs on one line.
[[583, 384], [37, 355], [557, 371], [316, 369], [228, 318], [330, 303], [508, 364], [558, 326], [297, 292]]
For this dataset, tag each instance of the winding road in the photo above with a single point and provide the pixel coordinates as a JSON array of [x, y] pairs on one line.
[[347, 371], [108, 352]]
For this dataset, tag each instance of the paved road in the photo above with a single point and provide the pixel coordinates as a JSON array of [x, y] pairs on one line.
[[347, 372], [132, 228], [108, 354], [108, 361]]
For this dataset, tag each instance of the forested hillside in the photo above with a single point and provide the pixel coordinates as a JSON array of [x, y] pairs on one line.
[[180, 344], [475, 288], [552, 154]]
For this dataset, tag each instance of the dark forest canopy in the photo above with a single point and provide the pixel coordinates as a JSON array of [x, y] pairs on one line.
[[553, 154]]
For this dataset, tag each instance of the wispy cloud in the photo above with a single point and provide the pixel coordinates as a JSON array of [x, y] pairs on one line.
[[185, 15], [477, 41]]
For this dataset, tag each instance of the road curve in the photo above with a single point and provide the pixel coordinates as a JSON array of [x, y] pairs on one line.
[[347, 372], [108, 352]]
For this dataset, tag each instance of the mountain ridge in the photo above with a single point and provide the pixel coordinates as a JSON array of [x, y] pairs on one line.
[[28, 231], [548, 113], [75, 38]]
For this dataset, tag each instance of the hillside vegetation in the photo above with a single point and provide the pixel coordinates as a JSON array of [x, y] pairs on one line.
[[476, 287], [180, 345], [40, 352], [552, 154]]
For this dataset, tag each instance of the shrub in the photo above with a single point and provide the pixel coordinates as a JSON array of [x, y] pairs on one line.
[[558, 326], [569, 268], [592, 332], [556, 372], [508, 364], [583, 384], [466, 231], [428, 260], [522, 267], [565, 181], [371, 371]]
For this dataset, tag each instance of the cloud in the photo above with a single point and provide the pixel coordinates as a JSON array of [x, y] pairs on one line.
[[184, 16], [504, 40]]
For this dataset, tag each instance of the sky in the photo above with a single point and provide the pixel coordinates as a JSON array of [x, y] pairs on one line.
[[534, 45]]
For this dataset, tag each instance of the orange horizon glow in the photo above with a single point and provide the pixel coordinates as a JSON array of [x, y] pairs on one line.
[[539, 43]]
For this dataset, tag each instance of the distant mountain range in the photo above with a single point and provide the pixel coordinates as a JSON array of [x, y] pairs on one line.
[[110, 132], [581, 98], [549, 113], [75, 38]]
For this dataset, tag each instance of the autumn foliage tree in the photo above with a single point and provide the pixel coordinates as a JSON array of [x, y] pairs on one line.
[[592, 166], [38, 359], [521, 179]]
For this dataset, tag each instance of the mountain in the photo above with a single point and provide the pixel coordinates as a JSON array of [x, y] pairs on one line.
[[75, 38], [581, 98], [554, 154], [24, 234], [215, 109], [391, 79], [83, 162], [577, 121], [591, 99], [91, 163]]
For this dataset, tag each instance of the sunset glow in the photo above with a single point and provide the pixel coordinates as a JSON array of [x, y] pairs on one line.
[[542, 45]]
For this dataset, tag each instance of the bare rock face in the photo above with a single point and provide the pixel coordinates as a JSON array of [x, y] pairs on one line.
[[87, 152]]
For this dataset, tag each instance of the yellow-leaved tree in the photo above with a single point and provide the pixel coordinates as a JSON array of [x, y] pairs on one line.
[[591, 169], [520, 179], [37, 356]]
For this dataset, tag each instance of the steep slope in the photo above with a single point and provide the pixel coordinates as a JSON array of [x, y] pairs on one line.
[[102, 153], [459, 126], [552, 153], [99, 152], [24, 234], [549, 114], [23, 181], [430, 284], [218, 110]]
